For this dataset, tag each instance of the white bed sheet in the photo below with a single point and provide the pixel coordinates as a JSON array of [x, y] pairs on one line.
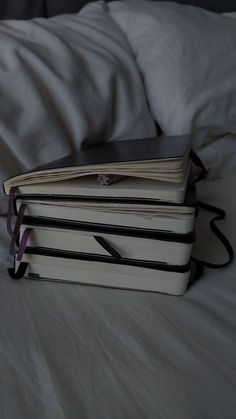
[[84, 352]]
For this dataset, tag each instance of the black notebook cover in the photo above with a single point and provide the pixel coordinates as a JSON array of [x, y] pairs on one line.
[[165, 147]]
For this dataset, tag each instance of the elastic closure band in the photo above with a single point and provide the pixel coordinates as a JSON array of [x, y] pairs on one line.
[[220, 215], [197, 161], [20, 272]]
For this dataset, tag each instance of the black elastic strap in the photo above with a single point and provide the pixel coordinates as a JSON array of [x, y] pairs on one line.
[[220, 215], [20, 271], [100, 240], [197, 161]]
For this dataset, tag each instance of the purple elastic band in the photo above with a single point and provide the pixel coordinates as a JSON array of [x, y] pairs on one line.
[[23, 244], [17, 228], [11, 198]]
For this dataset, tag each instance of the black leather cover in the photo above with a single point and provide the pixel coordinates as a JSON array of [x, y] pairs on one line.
[[165, 147]]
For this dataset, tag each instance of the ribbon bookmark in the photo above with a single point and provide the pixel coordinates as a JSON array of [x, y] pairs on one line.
[[106, 246], [16, 231], [23, 244], [11, 198]]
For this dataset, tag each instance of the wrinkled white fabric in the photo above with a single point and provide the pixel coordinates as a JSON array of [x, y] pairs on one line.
[[187, 57], [66, 81]]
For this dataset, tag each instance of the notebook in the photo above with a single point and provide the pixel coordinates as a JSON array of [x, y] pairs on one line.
[[135, 238], [155, 169], [162, 217], [69, 267], [130, 243]]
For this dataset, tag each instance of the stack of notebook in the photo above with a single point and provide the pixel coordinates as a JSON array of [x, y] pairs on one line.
[[137, 232]]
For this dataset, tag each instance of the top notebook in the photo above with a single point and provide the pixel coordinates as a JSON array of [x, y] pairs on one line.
[[163, 159]]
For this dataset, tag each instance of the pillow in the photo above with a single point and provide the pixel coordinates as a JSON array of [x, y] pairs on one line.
[[64, 82], [187, 58], [230, 14]]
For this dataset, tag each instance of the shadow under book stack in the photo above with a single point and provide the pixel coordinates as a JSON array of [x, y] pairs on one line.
[[120, 214]]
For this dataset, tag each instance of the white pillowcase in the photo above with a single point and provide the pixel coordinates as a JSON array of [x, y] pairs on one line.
[[230, 14], [66, 81], [187, 57]]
